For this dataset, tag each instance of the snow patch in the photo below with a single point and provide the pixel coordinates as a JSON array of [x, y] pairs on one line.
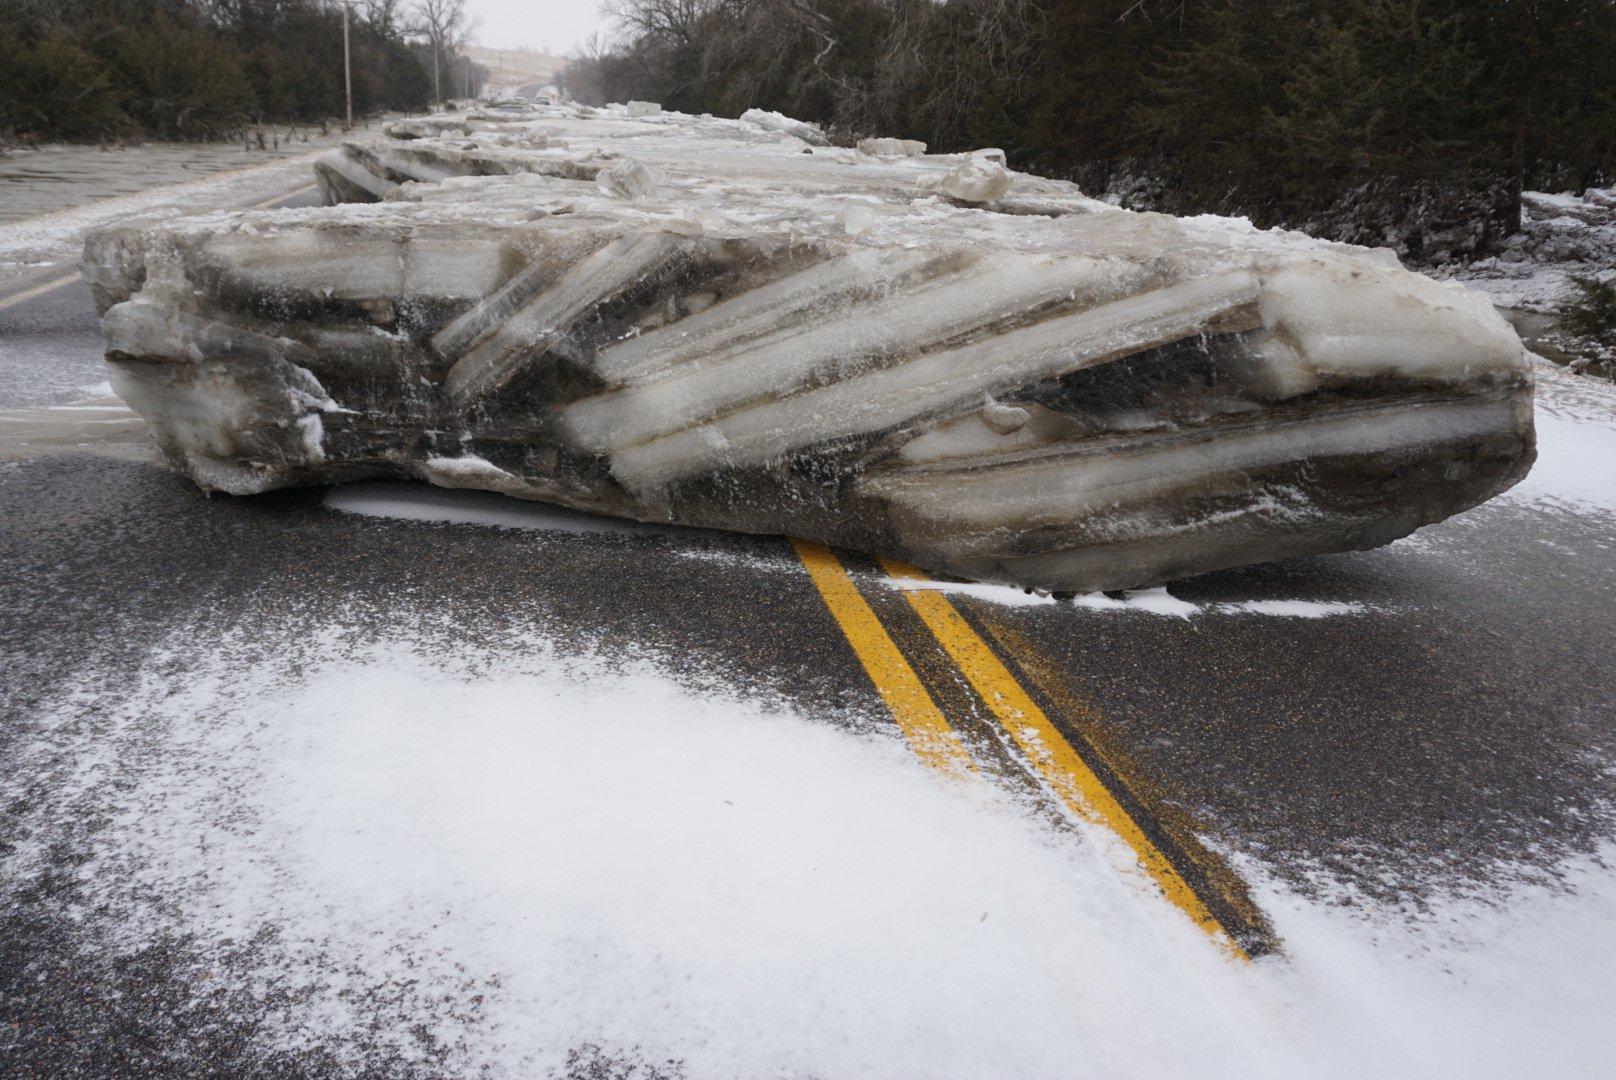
[[1576, 466], [744, 560], [418, 502], [1008, 595], [1576, 444], [1293, 609], [601, 854], [516, 854], [1158, 601]]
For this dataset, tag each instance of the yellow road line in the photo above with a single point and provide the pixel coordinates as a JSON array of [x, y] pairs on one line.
[[1215, 877], [38, 290], [1061, 766], [922, 723], [281, 198]]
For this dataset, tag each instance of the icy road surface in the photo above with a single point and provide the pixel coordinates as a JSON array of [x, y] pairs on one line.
[[398, 781], [47, 179]]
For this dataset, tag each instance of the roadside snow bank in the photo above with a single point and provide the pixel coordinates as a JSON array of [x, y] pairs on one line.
[[1561, 236]]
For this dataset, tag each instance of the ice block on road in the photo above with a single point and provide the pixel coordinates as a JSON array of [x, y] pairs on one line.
[[733, 324]]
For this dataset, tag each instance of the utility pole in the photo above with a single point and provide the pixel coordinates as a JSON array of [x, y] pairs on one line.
[[347, 70]]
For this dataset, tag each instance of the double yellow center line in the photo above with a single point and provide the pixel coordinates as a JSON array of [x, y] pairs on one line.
[[1048, 752], [921, 721]]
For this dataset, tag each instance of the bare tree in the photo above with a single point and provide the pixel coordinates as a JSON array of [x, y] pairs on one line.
[[386, 17], [992, 44], [446, 24], [583, 79], [675, 22]]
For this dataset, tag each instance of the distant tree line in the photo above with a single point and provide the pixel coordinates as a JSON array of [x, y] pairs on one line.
[[94, 69], [1414, 123]]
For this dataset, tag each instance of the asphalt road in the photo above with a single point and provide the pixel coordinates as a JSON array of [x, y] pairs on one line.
[[1453, 728]]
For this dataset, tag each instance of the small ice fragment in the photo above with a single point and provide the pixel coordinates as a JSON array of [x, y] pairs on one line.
[[977, 180], [313, 432], [1004, 419], [856, 219], [644, 108], [628, 179], [990, 153]]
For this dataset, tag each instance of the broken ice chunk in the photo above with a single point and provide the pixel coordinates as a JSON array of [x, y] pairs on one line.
[[1365, 319], [628, 179], [1051, 393], [856, 219], [891, 147], [773, 121], [978, 180]]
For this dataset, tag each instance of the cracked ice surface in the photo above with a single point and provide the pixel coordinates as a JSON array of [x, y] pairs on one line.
[[728, 323]]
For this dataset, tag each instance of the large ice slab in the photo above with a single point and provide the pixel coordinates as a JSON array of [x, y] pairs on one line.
[[731, 324]]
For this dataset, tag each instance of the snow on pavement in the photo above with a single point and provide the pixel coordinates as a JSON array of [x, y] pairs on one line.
[[58, 176], [523, 852]]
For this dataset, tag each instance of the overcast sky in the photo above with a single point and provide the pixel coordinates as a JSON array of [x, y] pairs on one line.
[[556, 25]]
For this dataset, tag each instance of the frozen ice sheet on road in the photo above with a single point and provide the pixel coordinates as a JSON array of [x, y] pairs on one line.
[[53, 178], [56, 238], [675, 318]]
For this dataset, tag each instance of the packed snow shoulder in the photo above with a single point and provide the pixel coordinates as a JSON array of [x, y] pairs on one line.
[[728, 323]]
